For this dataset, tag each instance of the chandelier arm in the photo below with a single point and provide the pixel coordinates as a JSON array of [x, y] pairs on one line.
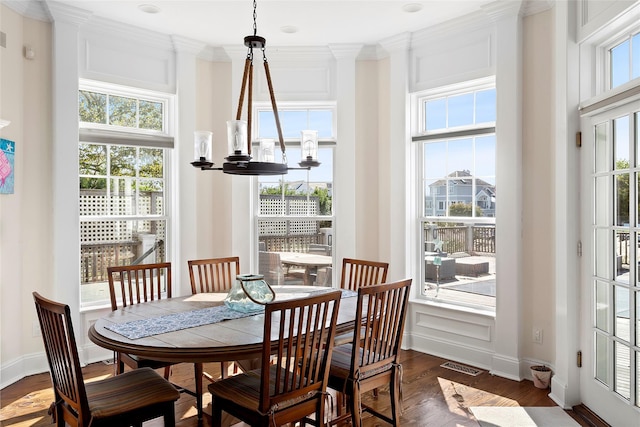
[[247, 63], [273, 105], [249, 105]]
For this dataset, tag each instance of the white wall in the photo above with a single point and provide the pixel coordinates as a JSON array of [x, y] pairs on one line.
[[25, 216], [367, 159]]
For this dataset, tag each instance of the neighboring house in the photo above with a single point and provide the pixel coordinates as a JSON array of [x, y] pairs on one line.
[[461, 190], [302, 186]]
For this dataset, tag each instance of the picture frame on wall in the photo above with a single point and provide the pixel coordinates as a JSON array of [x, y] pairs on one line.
[[7, 166]]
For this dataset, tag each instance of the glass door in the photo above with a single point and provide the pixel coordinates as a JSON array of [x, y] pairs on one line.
[[610, 307]]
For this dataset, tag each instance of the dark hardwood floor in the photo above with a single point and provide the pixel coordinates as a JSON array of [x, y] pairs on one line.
[[432, 395]]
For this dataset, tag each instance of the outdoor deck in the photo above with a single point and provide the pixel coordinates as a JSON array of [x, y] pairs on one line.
[[474, 286]]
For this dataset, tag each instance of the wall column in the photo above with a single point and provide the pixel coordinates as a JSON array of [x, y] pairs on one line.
[[396, 218], [345, 174], [506, 357], [185, 216], [66, 224], [565, 382]]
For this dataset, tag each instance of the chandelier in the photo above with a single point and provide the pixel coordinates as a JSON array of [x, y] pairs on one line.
[[240, 161]]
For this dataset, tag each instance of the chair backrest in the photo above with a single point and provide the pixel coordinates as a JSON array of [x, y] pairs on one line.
[[357, 273], [382, 309], [64, 364], [214, 274], [302, 332], [270, 266], [139, 283]]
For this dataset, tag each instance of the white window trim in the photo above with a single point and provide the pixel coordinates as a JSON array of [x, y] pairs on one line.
[[115, 135], [167, 100], [418, 101], [290, 106]]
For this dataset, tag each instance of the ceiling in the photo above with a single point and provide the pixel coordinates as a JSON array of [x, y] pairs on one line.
[[282, 23]]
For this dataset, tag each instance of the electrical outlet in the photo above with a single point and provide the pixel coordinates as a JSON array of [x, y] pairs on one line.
[[35, 329], [537, 336]]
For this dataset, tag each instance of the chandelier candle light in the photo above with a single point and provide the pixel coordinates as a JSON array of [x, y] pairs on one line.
[[239, 161]]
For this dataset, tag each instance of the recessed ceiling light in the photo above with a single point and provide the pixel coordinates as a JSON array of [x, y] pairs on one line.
[[289, 29], [412, 7], [149, 8]]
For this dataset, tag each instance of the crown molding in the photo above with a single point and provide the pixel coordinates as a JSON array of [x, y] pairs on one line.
[[187, 45], [503, 9], [214, 54], [64, 13], [399, 42], [531, 7], [345, 51], [30, 9]]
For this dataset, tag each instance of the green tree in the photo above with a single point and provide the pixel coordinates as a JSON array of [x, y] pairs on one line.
[[463, 209], [324, 200], [92, 107], [288, 191], [622, 193]]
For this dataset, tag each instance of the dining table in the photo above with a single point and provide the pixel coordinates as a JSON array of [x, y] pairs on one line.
[[310, 261], [199, 328]]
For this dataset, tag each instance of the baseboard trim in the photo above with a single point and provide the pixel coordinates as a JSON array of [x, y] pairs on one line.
[[589, 417], [17, 369]]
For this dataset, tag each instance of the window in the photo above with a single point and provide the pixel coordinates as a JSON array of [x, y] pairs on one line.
[[624, 61], [296, 210], [123, 183], [456, 137]]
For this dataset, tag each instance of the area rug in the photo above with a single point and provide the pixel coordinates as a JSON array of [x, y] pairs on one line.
[[516, 416]]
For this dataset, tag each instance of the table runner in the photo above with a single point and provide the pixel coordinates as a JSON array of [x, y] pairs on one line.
[[143, 328]]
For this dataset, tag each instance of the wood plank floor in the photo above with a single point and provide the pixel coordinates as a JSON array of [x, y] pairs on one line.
[[433, 396]]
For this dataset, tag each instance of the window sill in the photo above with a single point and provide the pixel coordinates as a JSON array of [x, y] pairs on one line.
[[479, 311]]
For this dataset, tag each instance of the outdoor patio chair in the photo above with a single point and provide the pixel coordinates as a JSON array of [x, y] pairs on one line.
[[292, 385], [123, 400], [371, 360], [270, 266]]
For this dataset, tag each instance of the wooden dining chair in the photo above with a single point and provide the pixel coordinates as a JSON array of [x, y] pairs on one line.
[[123, 400], [371, 360], [355, 274], [135, 284], [290, 385], [213, 275], [358, 272]]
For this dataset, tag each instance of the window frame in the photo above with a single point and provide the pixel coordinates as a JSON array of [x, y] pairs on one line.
[[603, 57], [421, 136], [291, 142], [114, 135]]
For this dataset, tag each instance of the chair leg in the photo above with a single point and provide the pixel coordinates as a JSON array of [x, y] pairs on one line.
[[198, 369], [223, 369], [169, 415], [167, 372], [395, 397], [119, 365], [355, 405], [216, 414]]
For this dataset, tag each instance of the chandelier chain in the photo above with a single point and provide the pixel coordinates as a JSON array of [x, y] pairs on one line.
[[255, 15]]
